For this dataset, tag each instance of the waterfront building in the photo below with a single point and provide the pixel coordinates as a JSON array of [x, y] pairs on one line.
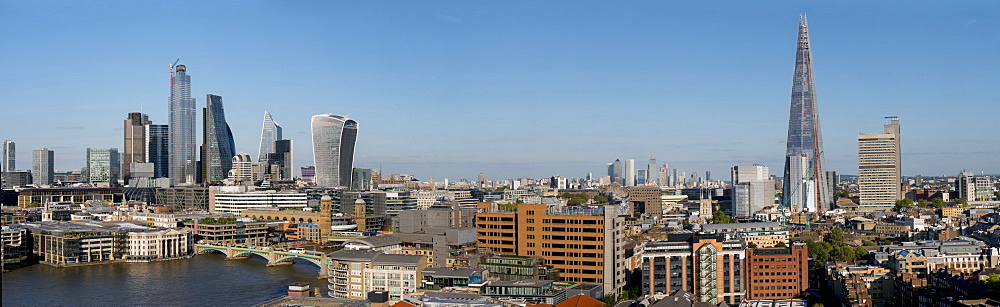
[[761, 234], [706, 265], [218, 147], [777, 272], [879, 177], [16, 246], [183, 198], [805, 185], [437, 278], [583, 242], [269, 133], [160, 244], [312, 226], [229, 231], [103, 166], [42, 167], [8, 161], [69, 195], [354, 273], [753, 189], [183, 128], [158, 149], [64, 243], [235, 199], [512, 268], [135, 147], [333, 137]]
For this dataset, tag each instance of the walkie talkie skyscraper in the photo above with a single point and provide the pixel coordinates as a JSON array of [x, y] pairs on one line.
[[806, 187]]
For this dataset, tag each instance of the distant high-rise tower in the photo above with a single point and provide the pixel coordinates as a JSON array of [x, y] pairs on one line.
[[135, 142], [218, 148], [7, 164], [269, 133], [333, 137], [42, 167], [158, 149], [652, 172], [616, 172], [879, 176], [103, 166], [183, 117], [805, 184], [629, 172]]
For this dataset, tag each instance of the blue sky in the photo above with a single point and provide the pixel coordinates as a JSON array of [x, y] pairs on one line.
[[514, 89]]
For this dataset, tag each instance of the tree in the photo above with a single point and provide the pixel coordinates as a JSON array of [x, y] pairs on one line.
[[903, 203], [686, 224], [719, 217], [751, 245], [922, 203], [601, 199], [836, 237], [868, 243], [781, 244], [938, 203], [961, 202]]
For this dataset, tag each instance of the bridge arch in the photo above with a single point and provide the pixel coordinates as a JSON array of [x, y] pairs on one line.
[[316, 262]]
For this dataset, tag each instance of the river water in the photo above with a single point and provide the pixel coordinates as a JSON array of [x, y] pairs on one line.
[[205, 280]]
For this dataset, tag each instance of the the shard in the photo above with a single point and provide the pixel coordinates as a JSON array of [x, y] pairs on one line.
[[806, 187]]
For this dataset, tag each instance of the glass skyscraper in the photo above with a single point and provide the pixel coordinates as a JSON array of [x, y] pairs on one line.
[[219, 148], [269, 133], [183, 116], [806, 187], [334, 137], [158, 149], [8, 165], [103, 165]]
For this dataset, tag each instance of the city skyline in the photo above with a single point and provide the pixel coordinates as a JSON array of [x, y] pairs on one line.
[[547, 90]]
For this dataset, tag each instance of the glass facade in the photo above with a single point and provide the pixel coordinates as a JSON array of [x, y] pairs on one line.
[[334, 137], [804, 138], [183, 116], [158, 149], [219, 148], [269, 133], [103, 165]]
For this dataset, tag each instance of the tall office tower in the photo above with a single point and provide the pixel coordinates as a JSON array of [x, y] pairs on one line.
[[652, 172], [218, 148], [611, 170], [663, 176], [674, 180], [333, 137], [629, 172], [103, 166], [158, 149], [135, 142], [879, 177], [42, 167], [282, 156], [616, 172], [753, 189], [7, 164], [641, 177], [269, 133], [805, 185], [183, 116]]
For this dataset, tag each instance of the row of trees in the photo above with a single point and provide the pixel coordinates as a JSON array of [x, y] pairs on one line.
[[936, 203], [582, 198], [832, 248]]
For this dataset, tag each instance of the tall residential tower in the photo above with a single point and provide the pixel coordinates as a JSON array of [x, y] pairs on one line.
[[42, 167], [805, 184], [333, 149], [7, 164], [183, 128]]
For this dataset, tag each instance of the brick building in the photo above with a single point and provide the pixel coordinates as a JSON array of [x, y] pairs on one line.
[[777, 272]]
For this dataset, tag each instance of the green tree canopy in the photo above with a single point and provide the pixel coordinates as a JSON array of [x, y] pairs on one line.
[[719, 217], [938, 203], [903, 203]]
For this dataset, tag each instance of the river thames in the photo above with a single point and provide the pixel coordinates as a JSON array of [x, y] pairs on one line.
[[205, 280]]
